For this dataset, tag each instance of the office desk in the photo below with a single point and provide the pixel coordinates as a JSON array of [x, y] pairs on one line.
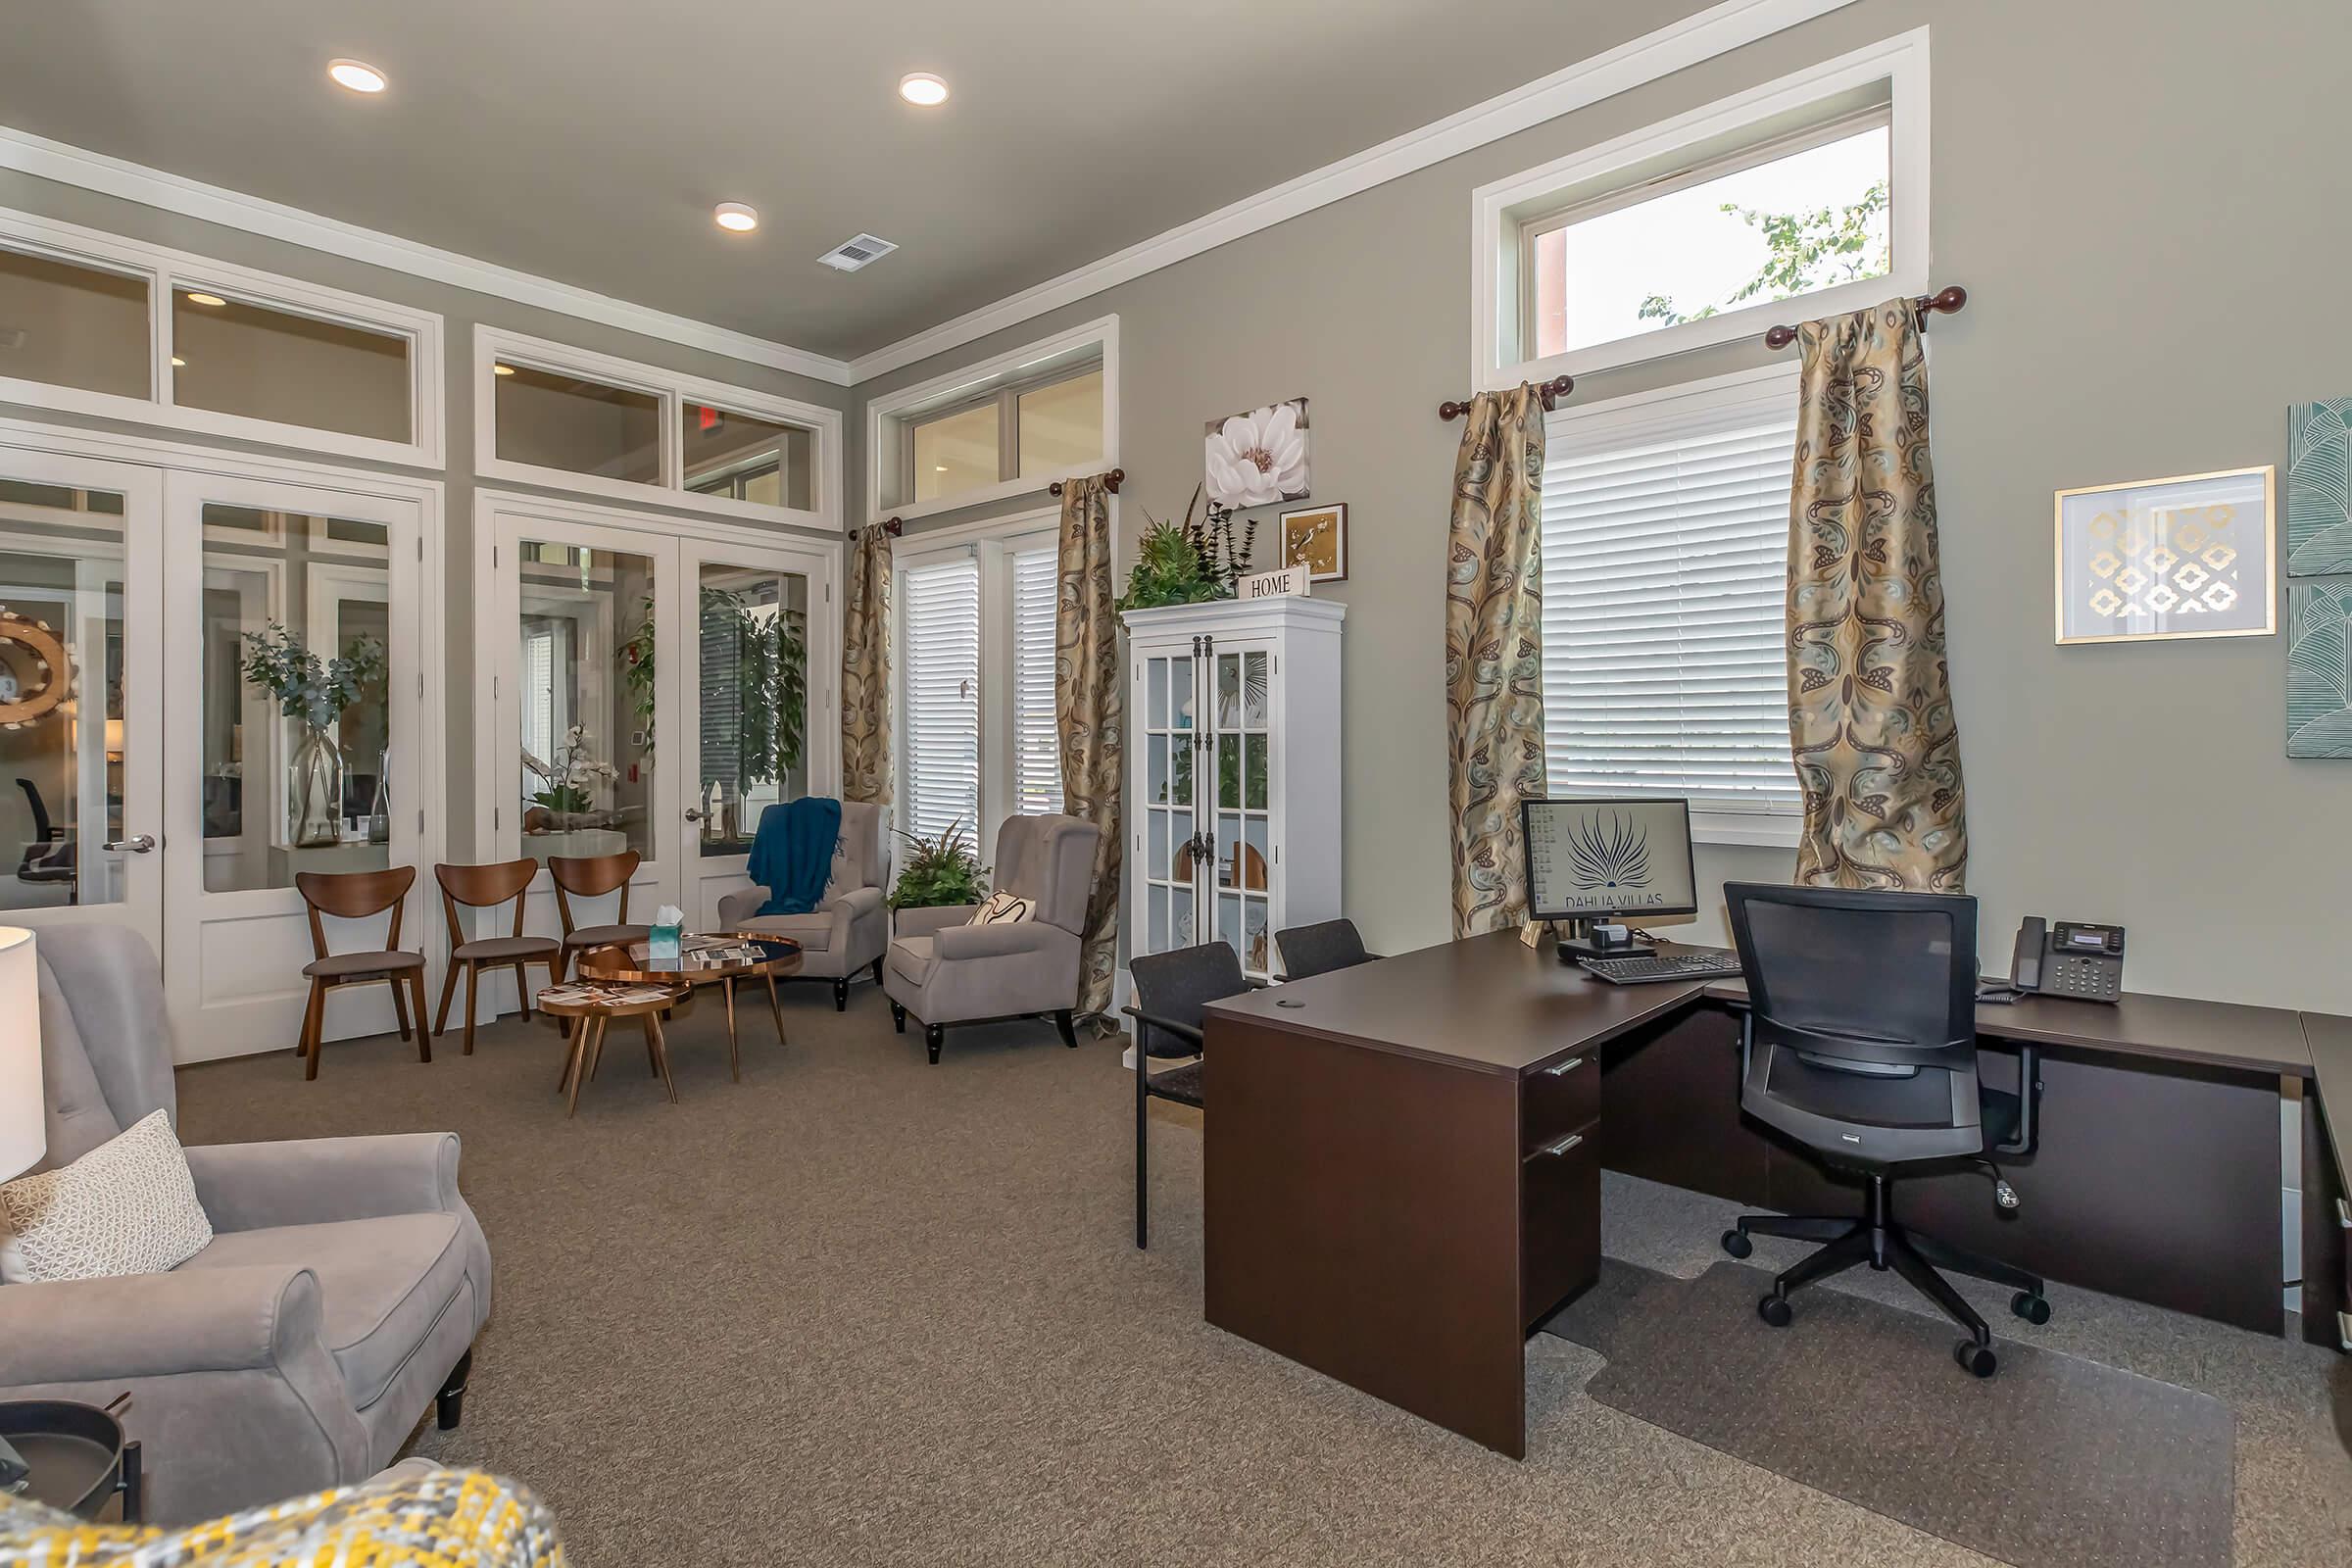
[[1402, 1169]]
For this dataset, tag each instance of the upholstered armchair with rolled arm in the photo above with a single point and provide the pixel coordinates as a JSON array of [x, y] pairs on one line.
[[850, 929], [336, 1303], [945, 970]]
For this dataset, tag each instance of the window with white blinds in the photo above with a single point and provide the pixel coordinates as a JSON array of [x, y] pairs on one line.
[[939, 661], [1665, 579], [1036, 737]]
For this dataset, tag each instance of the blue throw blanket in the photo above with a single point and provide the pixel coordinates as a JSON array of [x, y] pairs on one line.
[[792, 854]]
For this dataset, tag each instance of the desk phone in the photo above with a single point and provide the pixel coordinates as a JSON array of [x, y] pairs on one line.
[[2070, 958]]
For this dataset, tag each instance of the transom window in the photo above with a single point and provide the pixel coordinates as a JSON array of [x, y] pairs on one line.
[[1026, 430]]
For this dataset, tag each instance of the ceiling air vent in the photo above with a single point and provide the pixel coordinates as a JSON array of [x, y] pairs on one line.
[[852, 254]]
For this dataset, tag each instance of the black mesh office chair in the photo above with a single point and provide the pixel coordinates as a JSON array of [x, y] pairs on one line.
[[1170, 990], [1319, 949], [1860, 1043]]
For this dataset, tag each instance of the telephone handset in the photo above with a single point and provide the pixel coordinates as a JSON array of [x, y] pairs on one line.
[[2073, 958]]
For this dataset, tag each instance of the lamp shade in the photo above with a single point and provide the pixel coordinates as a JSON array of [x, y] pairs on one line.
[[24, 1117]]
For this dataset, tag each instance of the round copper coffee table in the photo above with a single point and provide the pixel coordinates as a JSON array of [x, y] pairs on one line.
[[591, 1008], [719, 958]]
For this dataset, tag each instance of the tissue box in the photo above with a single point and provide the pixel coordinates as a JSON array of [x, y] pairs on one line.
[[667, 931]]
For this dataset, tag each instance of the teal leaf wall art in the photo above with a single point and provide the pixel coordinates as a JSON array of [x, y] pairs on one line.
[[2319, 488], [2318, 668]]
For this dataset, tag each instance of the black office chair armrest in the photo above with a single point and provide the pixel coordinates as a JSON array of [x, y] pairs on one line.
[[2029, 1063], [1182, 1031]]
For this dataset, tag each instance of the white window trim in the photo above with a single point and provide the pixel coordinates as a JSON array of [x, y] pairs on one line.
[[672, 391], [166, 271], [993, 543], [1779, 827], [1496, 210], [883, 448]]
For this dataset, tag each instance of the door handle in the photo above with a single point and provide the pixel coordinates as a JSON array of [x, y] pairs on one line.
[[137, 846], [693, 816], [1562, 1069], [1562, 1146]]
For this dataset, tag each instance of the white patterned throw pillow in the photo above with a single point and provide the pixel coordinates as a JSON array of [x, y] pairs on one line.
[[1004, 909], [127, 1206]]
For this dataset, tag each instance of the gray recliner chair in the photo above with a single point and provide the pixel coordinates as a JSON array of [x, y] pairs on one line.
[[850, 929], [945, 970], [337, 1302]]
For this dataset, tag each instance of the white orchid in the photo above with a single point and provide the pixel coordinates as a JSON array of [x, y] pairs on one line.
[[1258, 458]]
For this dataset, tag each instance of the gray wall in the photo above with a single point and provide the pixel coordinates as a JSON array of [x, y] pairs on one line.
[[2151, 223], [459, 310]]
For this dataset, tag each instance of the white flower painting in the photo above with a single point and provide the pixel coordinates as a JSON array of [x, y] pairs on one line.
[[1258, 458]]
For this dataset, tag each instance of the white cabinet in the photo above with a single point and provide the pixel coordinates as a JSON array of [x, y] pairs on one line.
[[1233, 796]]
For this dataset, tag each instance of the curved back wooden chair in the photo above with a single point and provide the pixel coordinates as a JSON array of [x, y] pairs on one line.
[[483, 887], [592, 876], [355, 896]]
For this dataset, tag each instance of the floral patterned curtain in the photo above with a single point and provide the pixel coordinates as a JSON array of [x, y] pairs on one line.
[[1088, 703], [1493, 656], [1870, 700], [865, 670]]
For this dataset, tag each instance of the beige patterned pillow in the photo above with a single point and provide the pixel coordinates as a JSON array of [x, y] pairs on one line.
[[1004, 909], [127, 1206]]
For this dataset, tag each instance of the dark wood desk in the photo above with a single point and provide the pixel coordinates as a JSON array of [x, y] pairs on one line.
[[1402, 1167]]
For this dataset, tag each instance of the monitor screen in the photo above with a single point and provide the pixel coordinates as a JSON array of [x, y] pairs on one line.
[[1621, 857]]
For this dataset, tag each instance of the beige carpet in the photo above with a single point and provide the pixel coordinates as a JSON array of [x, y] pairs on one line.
[[859, 1310]]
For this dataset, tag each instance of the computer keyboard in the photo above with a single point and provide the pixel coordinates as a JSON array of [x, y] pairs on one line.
[[1648, 967]]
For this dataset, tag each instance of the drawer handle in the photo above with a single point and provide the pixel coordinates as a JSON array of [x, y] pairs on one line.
[[1564, 1068], [1561, 1146]]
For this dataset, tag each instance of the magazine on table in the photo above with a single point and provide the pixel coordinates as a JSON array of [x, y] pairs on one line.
[[581, 994]]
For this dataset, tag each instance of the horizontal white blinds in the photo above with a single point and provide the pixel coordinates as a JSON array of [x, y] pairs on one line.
[[941, 652], [1035, 739], [1665, 581]]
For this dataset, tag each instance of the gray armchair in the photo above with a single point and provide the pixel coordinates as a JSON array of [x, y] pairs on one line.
[[337, 1302], [945, 970], [850, 930]]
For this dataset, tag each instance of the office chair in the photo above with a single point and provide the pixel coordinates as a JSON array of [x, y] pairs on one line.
[[1170, 990], [1860, 1043], [1319, 949]]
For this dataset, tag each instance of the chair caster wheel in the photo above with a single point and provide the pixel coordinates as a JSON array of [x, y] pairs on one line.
[[1774, 1309], [2034, 1308], [1974, 1359], [1736, 1243]]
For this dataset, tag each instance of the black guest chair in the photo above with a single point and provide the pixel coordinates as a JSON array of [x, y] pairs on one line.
[[1170, 990], [1861, 1043], [1319, 949]]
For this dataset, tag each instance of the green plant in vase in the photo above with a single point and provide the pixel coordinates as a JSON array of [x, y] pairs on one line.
[[1192, 563], [939, 873], [318, 694]]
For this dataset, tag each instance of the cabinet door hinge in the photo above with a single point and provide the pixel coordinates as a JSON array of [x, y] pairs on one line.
[[494, 555], [421, 683], [421, 823], [421, 547]]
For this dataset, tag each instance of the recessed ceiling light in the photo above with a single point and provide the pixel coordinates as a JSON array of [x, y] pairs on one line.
[[923, 88], [504, 369], [357, 74], [212, 300], [735, 215]]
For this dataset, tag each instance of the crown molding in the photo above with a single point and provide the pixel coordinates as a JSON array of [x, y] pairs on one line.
[[1718, 30], [213, 204]]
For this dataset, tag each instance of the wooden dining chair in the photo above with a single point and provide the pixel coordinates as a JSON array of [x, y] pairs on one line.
[[355, 896], [592, 876], [484, 886]]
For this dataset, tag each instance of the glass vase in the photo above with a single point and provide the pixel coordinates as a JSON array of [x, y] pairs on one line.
[[315, 791]]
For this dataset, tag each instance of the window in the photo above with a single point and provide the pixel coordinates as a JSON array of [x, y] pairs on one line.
[[93, 323], [979, 740], [1706, 230], [1665, 581], [551, 415], [1008, 427]]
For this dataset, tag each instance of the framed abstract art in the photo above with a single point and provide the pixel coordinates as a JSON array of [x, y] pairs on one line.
[[2184, 557]]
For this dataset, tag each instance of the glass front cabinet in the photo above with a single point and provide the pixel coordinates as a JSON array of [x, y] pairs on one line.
[[1233, 715]]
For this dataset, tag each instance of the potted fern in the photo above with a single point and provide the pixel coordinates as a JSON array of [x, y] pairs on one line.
[[939, 873], [1191, 563]]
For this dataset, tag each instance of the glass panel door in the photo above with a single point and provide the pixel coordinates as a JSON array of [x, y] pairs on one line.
[[1170, 740], [80, 695], [1244, 883]]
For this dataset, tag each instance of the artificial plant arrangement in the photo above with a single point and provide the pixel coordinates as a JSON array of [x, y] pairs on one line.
[[939, 873], [572, 775], [315, 693], [1191, 563]]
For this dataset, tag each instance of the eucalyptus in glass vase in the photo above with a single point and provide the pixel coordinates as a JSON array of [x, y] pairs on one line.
[[316, 694]]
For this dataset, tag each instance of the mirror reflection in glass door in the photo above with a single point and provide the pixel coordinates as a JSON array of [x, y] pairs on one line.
[[586, 709], [63, 738], [754, 699]]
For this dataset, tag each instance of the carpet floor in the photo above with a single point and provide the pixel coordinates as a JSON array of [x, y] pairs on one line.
[[860, 1309]]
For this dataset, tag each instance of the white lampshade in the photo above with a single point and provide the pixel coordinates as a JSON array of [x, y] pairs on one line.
[[24, 1121]]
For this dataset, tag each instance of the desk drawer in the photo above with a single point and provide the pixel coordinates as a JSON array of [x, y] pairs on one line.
[[1559, 1220], [1560, 1097]]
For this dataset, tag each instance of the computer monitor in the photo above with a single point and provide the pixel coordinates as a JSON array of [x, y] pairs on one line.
[[1608, 859]]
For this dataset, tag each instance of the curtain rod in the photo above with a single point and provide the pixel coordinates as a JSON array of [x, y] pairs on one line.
[[1550, 392], [1947, 303], [1111, 482]]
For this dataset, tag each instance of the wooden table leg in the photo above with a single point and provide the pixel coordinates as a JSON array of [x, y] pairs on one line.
[[656, 1043], [595, 1049], [734, 1045], [593, 1029], [775, 1006], [574, 1060]]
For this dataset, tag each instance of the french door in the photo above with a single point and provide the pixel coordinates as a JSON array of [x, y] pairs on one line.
[[654, 685]]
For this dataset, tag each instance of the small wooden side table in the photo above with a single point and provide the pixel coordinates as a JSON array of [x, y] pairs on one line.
[[597, 1005], [702, 961]]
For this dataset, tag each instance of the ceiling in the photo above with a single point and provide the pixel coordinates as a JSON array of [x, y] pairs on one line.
[[587, 140]]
